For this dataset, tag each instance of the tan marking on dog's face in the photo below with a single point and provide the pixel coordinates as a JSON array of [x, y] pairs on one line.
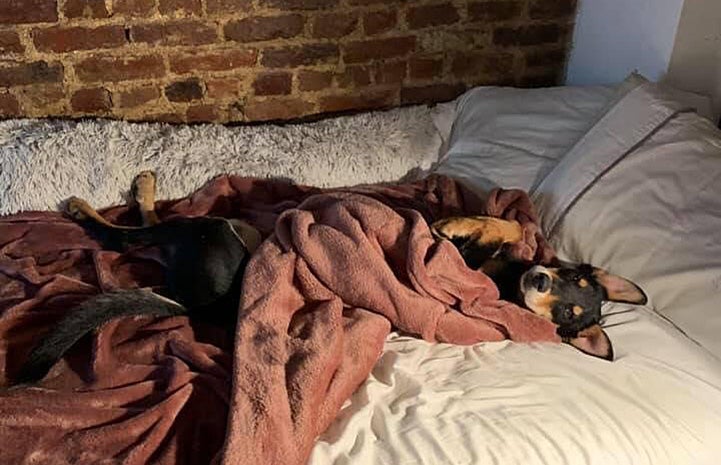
[[485, 229], [582, 282], [577, 310], [540, 304]]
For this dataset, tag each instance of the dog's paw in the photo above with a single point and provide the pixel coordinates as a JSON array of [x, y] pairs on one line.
[[142, 189], [75, 207]]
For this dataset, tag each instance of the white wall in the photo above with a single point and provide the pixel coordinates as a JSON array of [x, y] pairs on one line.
[[615, 37]]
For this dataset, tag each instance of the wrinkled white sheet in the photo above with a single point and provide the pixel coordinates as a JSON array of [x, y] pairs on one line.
[[659, 403]]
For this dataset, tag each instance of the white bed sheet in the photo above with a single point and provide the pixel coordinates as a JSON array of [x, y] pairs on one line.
[[658, 403]]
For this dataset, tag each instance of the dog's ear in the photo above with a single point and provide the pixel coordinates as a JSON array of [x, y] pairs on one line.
[[619, 289], [593, 341]]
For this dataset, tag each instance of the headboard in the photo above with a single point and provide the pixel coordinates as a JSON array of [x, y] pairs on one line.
[[259, 60]]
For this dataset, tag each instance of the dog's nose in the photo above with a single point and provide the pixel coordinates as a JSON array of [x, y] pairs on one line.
[[541, 282]]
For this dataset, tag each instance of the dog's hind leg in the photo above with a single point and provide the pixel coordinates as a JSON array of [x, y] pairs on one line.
[[142, 190]]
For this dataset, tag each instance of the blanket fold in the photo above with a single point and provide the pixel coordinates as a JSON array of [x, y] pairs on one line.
[[338, 271]]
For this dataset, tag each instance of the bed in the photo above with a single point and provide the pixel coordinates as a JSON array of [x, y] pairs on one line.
[[625, 177]]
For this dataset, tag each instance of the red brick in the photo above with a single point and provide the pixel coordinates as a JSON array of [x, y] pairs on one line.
[[426, 68], [180, 7], [368, 2], [495, 10], [334, 25], [10, 42], [377, 22], [138, 96], [62, 39], [431, 93], [311, 54], [432, 15], [202, 114], [91, 100], [489, 63], [40, 96], [367, 100], [227, 6], [133, 7], [534, 34], [36, 72], [175, 33], [552, 9], [354, 76], [170, 118], [545, 58], [184, 91], [392, 72], [375, 49], [28, 11], [9, 106], [264, 28], [273, 83], [276, 109], [314, 80], [221, 60], [88, 9], [121, 68], [300, 4], [223, 88]]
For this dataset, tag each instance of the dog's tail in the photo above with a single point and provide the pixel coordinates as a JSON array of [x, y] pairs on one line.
[[86, 317]]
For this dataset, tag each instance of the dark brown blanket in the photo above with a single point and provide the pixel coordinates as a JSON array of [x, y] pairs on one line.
[[319, 300]]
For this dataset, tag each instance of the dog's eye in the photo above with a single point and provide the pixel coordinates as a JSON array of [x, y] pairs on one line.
[[568, 312]]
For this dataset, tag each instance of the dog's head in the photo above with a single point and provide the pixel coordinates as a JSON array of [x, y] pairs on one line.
[[571, 295]]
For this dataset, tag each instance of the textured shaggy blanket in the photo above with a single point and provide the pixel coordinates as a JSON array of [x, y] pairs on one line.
[[320, 296]]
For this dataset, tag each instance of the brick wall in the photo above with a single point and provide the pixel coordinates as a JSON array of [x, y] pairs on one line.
[[252, 60]]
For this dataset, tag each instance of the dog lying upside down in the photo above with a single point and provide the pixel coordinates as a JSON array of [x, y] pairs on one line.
[[206, 258]]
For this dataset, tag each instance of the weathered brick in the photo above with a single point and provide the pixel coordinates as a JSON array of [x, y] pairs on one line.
[[68, 39], [311, 54], [552, 9], [9, 105], [432, 15], [221, 60], [180, 7], [260, 28], [91, 100], [309, 80], [36, 72], [275, 83], [548, 79], [175, 33], [10, 42], [28, 11], [366, 100], [88, 9], [488, 63], [334, 25], [494, 10], [223, 88], [202, 114], [368, 2], [391, 72], [121, 68], [276, 109], [169, 117], [377, 22], [376, 49], [425, 68], [138, 96], [227, 6], [545, 58], [184, 91], [534, 34], [354, 76], [300, 4], [41, 97], [133, 7], [430, 93]]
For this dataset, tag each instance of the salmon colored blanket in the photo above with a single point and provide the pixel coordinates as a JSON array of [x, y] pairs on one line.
[[338, 271]]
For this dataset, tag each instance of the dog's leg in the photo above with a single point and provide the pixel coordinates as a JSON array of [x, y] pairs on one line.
[[143, 193]]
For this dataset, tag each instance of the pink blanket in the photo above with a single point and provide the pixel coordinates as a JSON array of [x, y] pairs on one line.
[[319, 298]]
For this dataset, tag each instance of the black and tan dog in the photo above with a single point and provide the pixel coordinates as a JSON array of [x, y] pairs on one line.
[[569, 294], [205, 257]]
